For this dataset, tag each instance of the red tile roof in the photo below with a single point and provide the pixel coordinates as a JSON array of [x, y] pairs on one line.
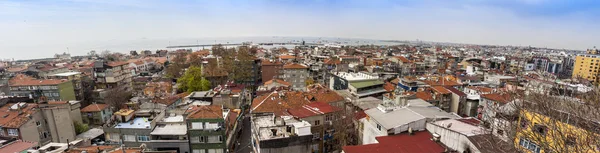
[[456, 91], [294, 66], [279, 101], [16, 69], [12, 118], [332, 61], [285, 57], [425, 95], [24, 80], [206, 112], [470, 120], [498, 97], [360, 114], [94, 108], [441, 90], [113, 64], [278, 81], [419, 142], [267, 62], [318, 92], [17, 146], [313, 109], [402, 59], [481, 89], [441, 82]]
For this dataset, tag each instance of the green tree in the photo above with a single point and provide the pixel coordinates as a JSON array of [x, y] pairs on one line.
[[176, 66], [80, 127], [193, 80]]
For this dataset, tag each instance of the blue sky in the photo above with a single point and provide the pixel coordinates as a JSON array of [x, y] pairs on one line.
[[41, 28]]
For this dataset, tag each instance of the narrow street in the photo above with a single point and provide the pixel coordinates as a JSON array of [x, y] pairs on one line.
[[243, 143]]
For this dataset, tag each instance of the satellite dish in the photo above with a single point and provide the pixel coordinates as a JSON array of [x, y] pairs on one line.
[[449, 125]]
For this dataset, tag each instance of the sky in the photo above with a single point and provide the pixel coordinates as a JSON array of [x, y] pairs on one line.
[[41, 28]]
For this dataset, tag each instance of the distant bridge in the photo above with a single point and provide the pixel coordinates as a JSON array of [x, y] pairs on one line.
[[240, 44]]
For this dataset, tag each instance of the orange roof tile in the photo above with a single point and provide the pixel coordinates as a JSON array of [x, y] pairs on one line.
[[119, 63], [267, 62], [278, 81], [402, 59], [294, 66], [323, 94], [206, 112], [332, 61], [24, 80], [286, 57], [313, 109], [16, 69], [94, 108], [278, 102], [481, 89], [441, 90], [424, 95], [12, 119], [498, 97]]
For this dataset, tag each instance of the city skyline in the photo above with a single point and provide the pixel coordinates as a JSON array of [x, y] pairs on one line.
[[43, 28]]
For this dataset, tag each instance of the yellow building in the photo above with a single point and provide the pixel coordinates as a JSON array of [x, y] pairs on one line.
[[586, 66], [537, 133]]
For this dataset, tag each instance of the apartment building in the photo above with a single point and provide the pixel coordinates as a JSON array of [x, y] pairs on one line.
[[358, 84], [270, 69], [111, 75], [24, 121], [586, 66], [206, 129], [296, 74], [75, 78], [325, 125], [271, 133], [51, 89]]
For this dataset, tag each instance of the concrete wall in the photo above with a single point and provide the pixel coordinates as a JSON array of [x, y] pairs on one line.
[[60, 123], [29, 131], [66, 90], [452, 139]]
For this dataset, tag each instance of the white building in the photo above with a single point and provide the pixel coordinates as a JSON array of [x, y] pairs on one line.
[[398, 114]]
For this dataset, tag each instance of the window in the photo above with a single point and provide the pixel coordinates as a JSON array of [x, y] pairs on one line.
[[129, 138], [38, 123], [214, 139], [13, 132], [215, 150], [540, 129], [143, 138], [114, 137], [379, 127], [212, 125], [198, 151], [317, 122], [197, 125], [195, 139], [529, 145]]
